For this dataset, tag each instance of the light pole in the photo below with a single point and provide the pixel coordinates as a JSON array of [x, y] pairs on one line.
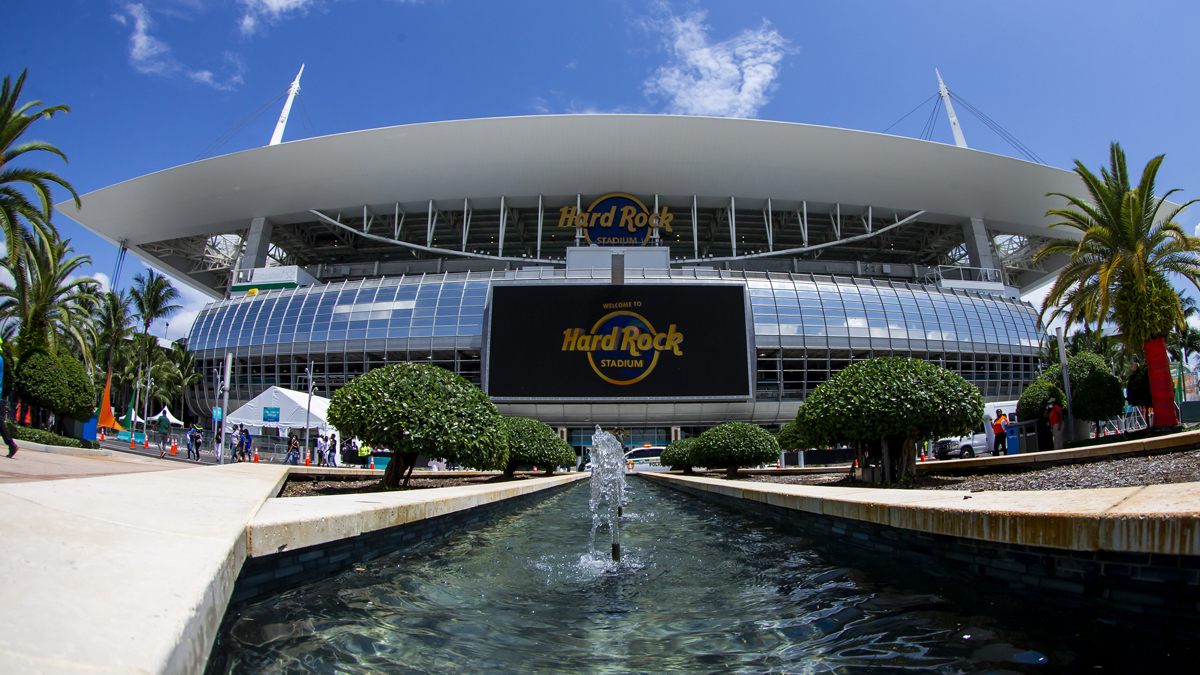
[[225, 407], [220, 388], [308, 410]]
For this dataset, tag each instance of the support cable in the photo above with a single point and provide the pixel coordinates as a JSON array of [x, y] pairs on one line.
[[215, 145], [1000, 131], [931, 121], [909, 113], [327, 110]]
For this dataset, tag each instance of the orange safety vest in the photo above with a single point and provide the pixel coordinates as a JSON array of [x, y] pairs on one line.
[[998, 425], [1055, 415]]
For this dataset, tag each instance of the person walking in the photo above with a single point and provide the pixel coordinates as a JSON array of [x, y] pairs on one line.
[[333, 450], [8, 441], [1000, 432], [164, 430], [190, 438], [1054, 413], [293, 454]]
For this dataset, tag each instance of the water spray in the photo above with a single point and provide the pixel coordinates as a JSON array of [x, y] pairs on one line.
[[608, 486]]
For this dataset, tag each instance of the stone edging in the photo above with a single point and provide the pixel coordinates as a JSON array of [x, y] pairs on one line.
[[1114, 572], [1186, 440], [61, 449]]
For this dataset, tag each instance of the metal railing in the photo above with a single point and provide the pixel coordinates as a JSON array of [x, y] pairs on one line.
[[963, 273]]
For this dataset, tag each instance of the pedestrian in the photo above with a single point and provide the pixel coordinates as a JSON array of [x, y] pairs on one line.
[[1054, 412], [333, 450], [190, 439], [293, 454], [164, 431], [1000, 431], [8, 441]]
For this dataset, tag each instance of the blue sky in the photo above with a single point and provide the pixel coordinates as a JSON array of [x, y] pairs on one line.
[[152, 84]]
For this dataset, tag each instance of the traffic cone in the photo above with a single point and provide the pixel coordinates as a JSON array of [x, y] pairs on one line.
[[146, 442], [307, 458], [256, 454], [174, 446], [372, 462], [132, 443], [101, 433]]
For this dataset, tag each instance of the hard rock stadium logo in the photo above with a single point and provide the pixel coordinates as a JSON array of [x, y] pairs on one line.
[[616, 219], [623, 347]]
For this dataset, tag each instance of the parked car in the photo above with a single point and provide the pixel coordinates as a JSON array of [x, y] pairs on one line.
[[980, 442]]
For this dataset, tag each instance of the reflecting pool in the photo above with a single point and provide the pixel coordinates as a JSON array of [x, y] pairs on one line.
[[699, 590]]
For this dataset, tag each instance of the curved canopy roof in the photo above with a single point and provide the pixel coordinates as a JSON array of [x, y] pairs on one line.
[[470, 164]]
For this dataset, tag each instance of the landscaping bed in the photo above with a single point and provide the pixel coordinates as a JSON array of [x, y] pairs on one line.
[[299, 487], [1176, 467]]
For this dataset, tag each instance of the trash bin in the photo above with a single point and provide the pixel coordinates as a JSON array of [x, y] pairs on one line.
[[1014, 441]]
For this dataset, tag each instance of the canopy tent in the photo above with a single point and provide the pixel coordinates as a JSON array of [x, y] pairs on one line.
[[279, 408], [170, 418]]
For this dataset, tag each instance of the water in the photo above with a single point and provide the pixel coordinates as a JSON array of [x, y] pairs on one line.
[[699, 590], [607, 489]]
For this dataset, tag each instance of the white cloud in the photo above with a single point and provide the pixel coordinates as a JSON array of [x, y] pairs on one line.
[[230, 82], [102, 279], [733, 78], [147, 53], [573, 64], [540, 105], [272, 11], [151, 56]]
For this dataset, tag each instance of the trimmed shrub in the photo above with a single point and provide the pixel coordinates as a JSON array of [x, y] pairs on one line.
[[1137, 389], [893, 400], [678, 455], [534, 442], [790, 437], [1095, 392], [59, 384], [411, 409], [47, 438], [1097, 397], [1036, 397], [733, 445]]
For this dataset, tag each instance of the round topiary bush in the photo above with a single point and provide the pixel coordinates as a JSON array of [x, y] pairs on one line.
[[734, 444], [1079, 366], [1036, 398], [1137, 389], [534, 442], [411, 409], [893, 400], [59, 384], [1097, 397], [678, 455], [791, 438]]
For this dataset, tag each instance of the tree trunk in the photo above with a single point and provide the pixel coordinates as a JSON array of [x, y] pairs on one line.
[[510, 469], [731, 472], [859, 458], [1161, 388], [395, 470], [887, 459], [908, 458]]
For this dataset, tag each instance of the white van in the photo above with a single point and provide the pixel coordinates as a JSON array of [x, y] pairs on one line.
[[980, 442]]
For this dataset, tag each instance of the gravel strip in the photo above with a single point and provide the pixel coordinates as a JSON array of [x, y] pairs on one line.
[[303, 488], [1177, 467]]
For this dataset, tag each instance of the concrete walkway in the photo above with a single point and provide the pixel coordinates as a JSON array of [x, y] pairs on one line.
[[28, 465]]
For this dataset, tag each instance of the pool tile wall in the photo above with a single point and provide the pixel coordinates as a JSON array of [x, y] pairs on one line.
[[1128, 585], [267, 575]]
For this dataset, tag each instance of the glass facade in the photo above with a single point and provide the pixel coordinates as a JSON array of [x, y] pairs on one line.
[[806, 328]]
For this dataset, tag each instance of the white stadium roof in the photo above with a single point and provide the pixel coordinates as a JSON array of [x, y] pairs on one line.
[[448, 167]]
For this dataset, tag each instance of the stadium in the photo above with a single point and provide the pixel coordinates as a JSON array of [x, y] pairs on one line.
[[659, 273]]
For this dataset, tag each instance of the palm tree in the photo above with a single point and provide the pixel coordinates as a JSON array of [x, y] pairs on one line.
[[1121, 264], [113, 319], [152, 295], [185, 370], [15, 205], [51, 305]]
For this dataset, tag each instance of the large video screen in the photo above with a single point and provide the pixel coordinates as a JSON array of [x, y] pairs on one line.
[[606, 342]]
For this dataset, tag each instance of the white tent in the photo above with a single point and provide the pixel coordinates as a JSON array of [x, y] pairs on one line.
[[170, 418], [279, 408]]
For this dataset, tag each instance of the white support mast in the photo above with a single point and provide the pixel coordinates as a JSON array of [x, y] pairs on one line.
[[287, 109], [959, 140]]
